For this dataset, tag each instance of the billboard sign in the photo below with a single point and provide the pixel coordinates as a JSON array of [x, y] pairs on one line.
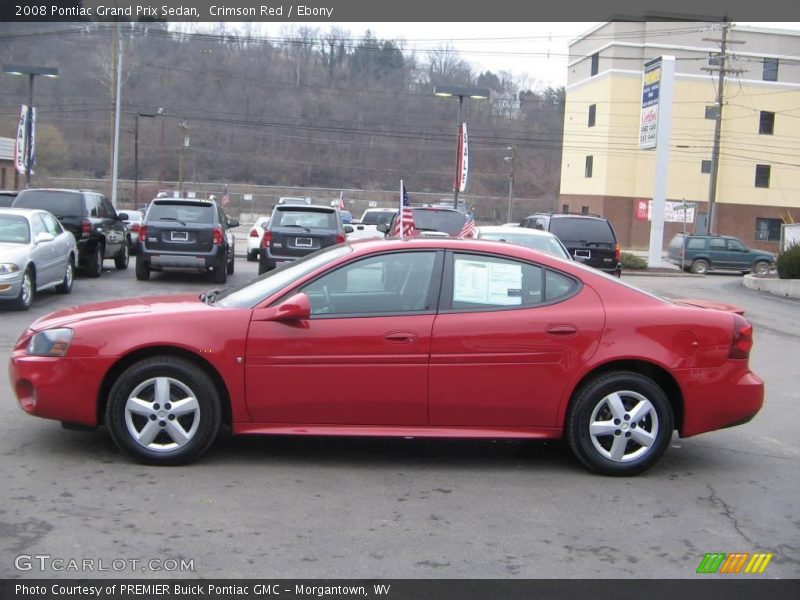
[[648, 119], [674, 212]]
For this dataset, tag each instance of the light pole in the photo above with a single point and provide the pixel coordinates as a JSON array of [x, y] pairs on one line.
[[31, 72], [512, 159], [136, 156], [460, 93]]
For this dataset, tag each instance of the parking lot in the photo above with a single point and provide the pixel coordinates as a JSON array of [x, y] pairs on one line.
[[398, 508]]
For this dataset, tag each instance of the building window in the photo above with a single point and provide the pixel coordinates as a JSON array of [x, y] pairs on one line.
[[705, 166], [762, 176], [770, 69], [766, 122], [589, 165], [711, 112], [3, 178], [584, 210], [768, 230], [565, 209], [592, 114], [595, 63]]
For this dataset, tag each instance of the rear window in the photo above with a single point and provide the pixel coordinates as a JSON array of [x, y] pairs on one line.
[[184, 212], [577, 230], [61, 204], [377, 217], [447, 221], [304, 218], [7, 200]]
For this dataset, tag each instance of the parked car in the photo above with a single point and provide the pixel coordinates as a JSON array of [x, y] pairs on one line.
[[700, 253], [36, 253], [446, 337], [589, 239], [7, 198], [375, 216], [530, 238], [432, 221], [254, 238], [186, 234], [99, 230], [295, 231], [133, 222]]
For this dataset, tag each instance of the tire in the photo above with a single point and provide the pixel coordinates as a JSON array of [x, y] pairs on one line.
[[762, 267], [252, 256], [601, 430], [163, 410], [65, 287], [263, 267], [142, 270], [122, 259], [220, 272], [95, 266], [231, 266], [27, 290], [700, 266]]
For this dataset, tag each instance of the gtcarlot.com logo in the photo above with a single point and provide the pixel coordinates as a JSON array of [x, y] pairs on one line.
[[734, 563]]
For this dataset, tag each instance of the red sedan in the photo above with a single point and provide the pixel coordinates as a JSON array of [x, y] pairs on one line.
[[421, 337]]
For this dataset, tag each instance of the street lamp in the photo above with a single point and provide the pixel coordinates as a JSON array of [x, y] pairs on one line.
[[31, 72], [136, 155], [461, 93], [511, 159]]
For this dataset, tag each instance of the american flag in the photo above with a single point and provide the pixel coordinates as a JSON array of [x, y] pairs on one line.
[[468, 230], [225, 198], [341, 200], [404, 223]]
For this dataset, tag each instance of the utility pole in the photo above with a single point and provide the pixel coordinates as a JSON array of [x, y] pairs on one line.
[[184, 144], [512, 159], [723, 71], [113, 93]]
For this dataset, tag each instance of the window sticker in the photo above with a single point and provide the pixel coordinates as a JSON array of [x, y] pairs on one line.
[[480, 282]]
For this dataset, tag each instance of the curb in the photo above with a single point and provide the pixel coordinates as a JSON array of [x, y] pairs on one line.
[[783, 288]]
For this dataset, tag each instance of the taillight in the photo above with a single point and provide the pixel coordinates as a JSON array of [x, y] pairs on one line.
[[135, 227], [266, 239], [217, 236], [86, 227], [340, 238], [254, 232], [742, 340], [142, 233], [617, 253]]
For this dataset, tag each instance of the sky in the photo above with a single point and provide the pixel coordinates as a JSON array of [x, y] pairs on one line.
[[536, 50]]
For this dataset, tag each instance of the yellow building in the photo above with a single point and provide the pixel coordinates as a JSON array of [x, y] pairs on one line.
[[603, 170]]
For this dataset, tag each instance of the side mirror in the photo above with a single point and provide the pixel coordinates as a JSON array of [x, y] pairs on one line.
[[383, 227], [233, 223], [295, 308], [348, 229], [122, 216], [44, 237]]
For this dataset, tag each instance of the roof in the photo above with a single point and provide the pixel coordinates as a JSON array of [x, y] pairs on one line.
[[6, 148]]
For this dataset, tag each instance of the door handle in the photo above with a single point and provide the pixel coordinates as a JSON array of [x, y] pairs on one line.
[[562, 329], [400, 337]]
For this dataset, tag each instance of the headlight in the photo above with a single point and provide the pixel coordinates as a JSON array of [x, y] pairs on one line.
[[51, 342], [6, 268]]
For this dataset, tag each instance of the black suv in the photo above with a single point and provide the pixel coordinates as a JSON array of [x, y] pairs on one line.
[[589, 239], [297, 230], [98, 229], [186, 234]]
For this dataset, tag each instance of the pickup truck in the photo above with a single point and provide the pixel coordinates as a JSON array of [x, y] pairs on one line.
[[367, 226]]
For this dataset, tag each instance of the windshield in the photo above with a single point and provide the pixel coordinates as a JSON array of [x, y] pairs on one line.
[[543, 243], [263, 286], [61, 204], [14, 230], [446, 221]]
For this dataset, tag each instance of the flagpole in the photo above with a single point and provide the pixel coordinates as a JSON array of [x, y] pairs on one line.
[[400, 214]]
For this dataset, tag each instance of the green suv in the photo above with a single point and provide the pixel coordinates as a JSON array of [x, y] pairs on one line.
[[703, 253]]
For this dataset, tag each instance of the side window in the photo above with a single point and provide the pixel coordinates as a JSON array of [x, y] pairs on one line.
[[696, 244], [384, 284], [37, 226], [557, 286], [736, 246], [108, 208], [94, 206], [52, 225], [716, 244], [491, 282]]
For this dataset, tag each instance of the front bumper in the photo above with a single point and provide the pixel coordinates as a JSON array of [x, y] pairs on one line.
[[10, 284]]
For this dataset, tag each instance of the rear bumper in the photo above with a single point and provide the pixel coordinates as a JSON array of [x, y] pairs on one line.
[[156, 260]]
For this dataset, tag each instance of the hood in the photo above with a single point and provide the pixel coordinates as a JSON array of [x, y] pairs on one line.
[[10, 252], [117, 308], [709, 304]]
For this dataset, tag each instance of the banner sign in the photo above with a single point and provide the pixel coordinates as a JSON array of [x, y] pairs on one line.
[[674, 212], [462, 166], [19, 143], [648, 119], [32, 141]]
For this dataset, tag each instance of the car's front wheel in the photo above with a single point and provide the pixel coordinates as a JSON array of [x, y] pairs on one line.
[[619, 423], [761, 268], [122, 258], [27, 289], [164, 410]]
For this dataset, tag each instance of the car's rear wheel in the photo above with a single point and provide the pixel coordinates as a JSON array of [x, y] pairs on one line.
[[123, 257], [252, 255], [761, 268], [95, 266], [27, 290], [220, 272], [65, 287], [231, 265], [619, 423], [700, 266], [163, 410], [142, 270]]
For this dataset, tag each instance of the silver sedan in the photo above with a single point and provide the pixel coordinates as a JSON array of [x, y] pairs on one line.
[[36, 253]]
